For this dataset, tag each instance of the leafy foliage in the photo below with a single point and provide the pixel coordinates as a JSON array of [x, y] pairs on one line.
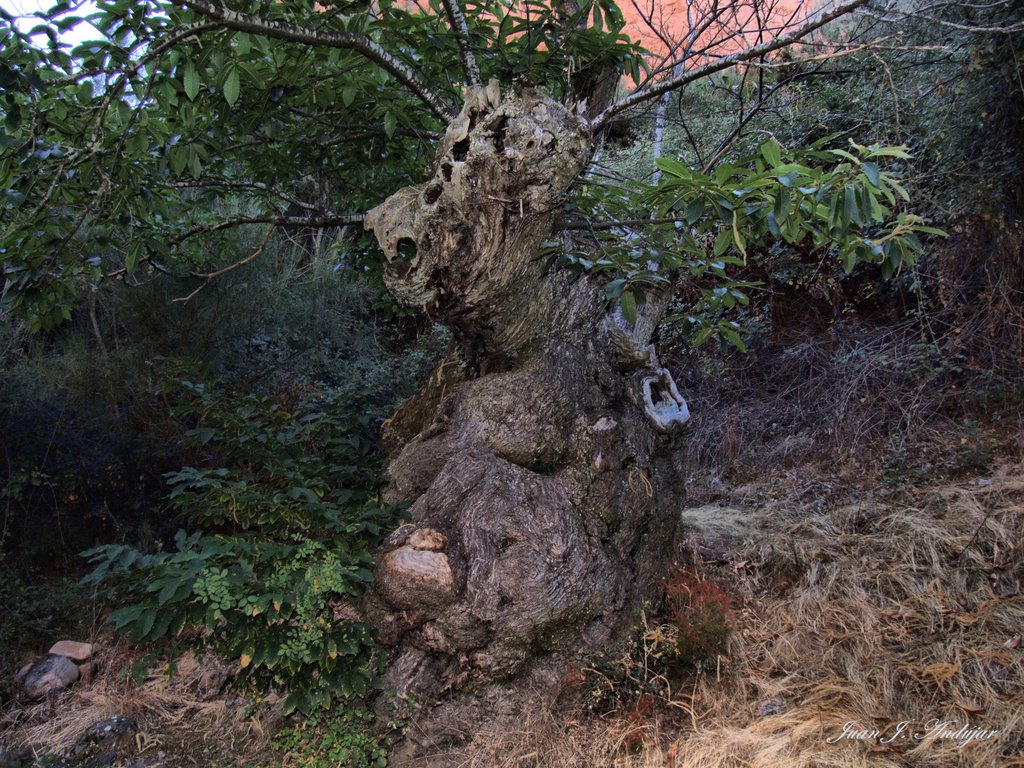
[[341, 741], [554, 46], [834, 200], [295, 493], [138, 151]]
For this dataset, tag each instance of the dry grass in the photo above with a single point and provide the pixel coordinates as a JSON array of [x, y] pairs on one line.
[[179, 715], [879, 612], [876, 613]]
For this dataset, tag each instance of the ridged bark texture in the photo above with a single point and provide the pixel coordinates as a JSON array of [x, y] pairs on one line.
[[544, 484]]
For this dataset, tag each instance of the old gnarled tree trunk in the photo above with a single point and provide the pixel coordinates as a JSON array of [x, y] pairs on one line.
[[541, 460]]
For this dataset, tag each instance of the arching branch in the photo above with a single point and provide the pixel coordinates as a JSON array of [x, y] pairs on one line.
[[279, 30], [753, 52], [327, 220]]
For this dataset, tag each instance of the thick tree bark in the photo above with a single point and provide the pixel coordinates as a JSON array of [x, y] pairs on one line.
[[542, 459]]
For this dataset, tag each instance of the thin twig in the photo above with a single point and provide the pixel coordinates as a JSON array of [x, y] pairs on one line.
[[208, 277], [753, 52]]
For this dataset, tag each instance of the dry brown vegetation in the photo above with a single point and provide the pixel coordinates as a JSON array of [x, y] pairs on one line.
[[879, 612], [184, 714]]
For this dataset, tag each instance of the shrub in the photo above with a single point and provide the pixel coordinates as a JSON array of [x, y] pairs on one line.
[[700, 611], [287, 501]]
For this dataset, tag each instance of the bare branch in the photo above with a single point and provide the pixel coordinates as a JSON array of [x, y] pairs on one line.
[[259, 186], [765, 99], [285, 221], [457, 20], [894, 16], [279, 30], [753, 52], [208, 277], [630, 224]]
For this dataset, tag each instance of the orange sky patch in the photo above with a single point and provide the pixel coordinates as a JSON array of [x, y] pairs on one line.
[[717, 28]]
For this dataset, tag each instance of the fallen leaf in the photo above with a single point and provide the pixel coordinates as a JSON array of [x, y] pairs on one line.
[[941, 672], [971, 708]]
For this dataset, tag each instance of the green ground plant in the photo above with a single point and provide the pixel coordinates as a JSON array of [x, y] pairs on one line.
[[340, 740], [284, 505]]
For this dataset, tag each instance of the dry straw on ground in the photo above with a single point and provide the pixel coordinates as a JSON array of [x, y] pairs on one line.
[[181, 715], [876, 613]]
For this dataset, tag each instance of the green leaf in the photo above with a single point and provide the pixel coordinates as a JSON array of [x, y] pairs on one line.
[[897, 188], [737, 236], [132, 259], [872, 173], [772, 152], [899, 151], [722, 241], [168, 591], [694, 211], [733, 338], [190, 80], [232, 86], [673, 167], [145, 624], [297, 701], [178, 158], [851, 213], [846, 155], [849, 259], [390, 122], [122, 617], [614, 288], [628, 304], [702, 336], [782, 203]]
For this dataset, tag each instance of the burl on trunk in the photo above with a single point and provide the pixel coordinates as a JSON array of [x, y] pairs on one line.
[[541, 460]]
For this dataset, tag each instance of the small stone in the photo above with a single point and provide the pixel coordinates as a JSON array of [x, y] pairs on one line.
[[110, 729], [72, 650], [49, 675], [773, 706], [411, 578]]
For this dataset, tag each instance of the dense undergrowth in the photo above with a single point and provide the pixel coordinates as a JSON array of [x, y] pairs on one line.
[[223, 455]]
